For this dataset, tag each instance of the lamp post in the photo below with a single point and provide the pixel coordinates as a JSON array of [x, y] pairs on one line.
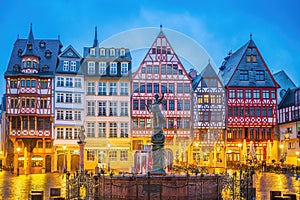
[[81, 144], [64, 168], [18, 167]]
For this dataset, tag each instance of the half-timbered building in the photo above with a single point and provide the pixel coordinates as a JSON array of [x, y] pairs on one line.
[[107, 76], [289, 126], [209, 124], [251, 93], [69, 109], [161, 72], [29, 103]]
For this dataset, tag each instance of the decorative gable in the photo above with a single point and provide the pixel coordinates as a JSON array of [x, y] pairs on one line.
[[70, 52]]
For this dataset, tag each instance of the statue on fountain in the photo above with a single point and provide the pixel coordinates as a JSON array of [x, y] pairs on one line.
[[158, 137]]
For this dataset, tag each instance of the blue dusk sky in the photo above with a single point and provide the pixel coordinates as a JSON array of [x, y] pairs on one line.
[[216, 26]]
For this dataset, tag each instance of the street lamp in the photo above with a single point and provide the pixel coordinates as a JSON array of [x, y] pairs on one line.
[[64, 148], [18, 167]]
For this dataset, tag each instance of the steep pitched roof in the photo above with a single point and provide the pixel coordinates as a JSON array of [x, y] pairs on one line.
[[38, 50], [236, 62], [207, 72], [161, 51], [285, 83], [288, 98]]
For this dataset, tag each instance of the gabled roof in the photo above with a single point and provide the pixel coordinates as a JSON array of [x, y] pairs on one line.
[[207, 72], [70, 52], [53, 46], [285, 83], [237, 61], [161, 51]]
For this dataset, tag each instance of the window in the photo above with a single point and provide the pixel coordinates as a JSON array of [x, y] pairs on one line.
[[270, 112], [14, 103], [135, 104], [179, 104], [101, 156], [260, 75], [60, 98], [179, 123], [77, 98], [112, 52], [179, 88], [76, 132], [240, 94], [102, 130], [102, 52], [113, 130], [265, 94], [163, 69], [149, 87], [171, 88], [102, 68], [68, 97], [66, 66], [113, 109], [90, 129], [142, 123], [187, 122], [90, 155], [68, 115], [60, 133], [60, 82], [156, 88], [77, 115], [187, 88], [256, 94], [113, 155], [102, 88], [44, 84], [78, 82], [13, 83], [231, 94], [102, 108], [123, 155], [91, 108], [170, 123], [155, 69], [113, 88], [244, 75], [122, 52], [113, 68], [92, 51], [91, 88], [257, 111], [264, 112], [149, 69], [124, 68], [44, 103], [135, 87], [124, 130], [73, 66], [91, 67], [164, 88], [169, 69], [254, 58], [187, 105], [59, 114], [248, 94], [124, 108], [142, 88], [148, 123], [171, 105], [124, 88], [68, 133], [143, 70], [69, 82]]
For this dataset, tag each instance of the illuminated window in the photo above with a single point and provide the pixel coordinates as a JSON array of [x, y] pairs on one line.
[[113, 155], [123, 155], [90, 155]]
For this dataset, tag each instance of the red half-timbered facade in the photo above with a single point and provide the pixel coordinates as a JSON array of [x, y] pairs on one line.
[[161, 72], [29, 92], [251, 93]]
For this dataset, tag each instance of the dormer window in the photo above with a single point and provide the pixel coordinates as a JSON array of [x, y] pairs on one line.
[[112, 52], [16, 68], [102, 52], [45, 68], [254, 58], [124, 68], [20, 51], [73, 66], [29, 46], [48, 53], [122, 52], [92, 51], [66, 66], [42, 44], [113, 68]]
